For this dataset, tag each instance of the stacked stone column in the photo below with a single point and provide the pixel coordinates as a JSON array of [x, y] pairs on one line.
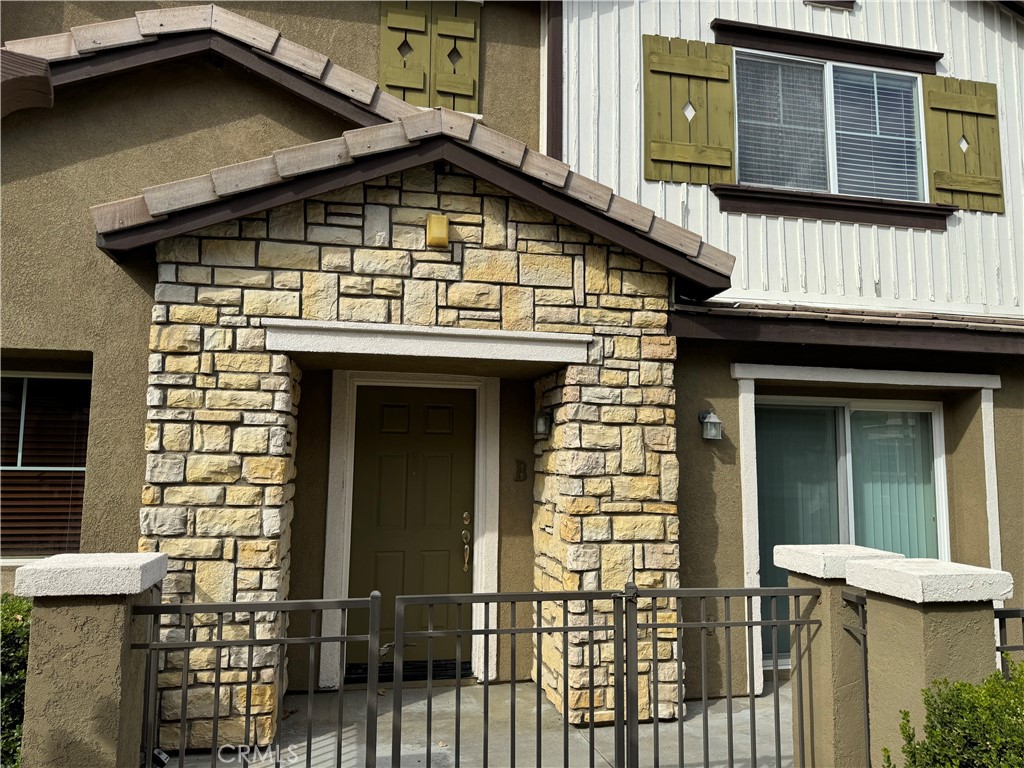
[[607, 482], [220, 433]]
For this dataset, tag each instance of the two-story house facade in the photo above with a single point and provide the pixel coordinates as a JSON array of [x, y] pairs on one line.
[[862, 161], [442, 297]]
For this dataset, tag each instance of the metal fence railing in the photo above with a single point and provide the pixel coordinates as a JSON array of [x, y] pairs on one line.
[[637, 677], [1010, 624], [207, 675]]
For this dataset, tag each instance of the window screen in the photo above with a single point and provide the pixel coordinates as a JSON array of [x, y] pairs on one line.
[[878, 150], [43, 435], [781, 115]]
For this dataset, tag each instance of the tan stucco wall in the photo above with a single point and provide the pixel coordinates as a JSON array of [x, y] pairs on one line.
[[109, 139], [710, 504], [85, 683], [515, 525], [348, 33], [1008, 410], [920, 643], [309, 523]]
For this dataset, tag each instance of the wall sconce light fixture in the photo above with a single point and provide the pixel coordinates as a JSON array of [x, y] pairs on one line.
[[437, 230], [542, 426], [711, 425]]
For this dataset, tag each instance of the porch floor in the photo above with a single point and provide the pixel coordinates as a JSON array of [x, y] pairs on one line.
[[324, 743]]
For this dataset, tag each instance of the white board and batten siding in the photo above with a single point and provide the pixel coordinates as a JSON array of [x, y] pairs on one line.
[[975, 267]]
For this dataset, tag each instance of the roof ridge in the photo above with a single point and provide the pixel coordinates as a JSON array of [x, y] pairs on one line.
[[158, 201], [147, 26]]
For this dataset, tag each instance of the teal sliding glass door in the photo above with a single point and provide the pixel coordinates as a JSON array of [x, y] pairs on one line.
[[797, 490], [840, 472]]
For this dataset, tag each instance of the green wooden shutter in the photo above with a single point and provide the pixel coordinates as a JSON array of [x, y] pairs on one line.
[[405, 51], [688, 111], [962, 133], [455, 56]]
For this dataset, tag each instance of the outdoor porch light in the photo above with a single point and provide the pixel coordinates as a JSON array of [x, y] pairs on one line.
[[437, 230], [711, 425], [542, 426]]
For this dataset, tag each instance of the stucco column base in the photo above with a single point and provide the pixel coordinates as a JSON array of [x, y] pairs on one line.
[[84, 691], [830, 669], [927, 620], [830, 665]]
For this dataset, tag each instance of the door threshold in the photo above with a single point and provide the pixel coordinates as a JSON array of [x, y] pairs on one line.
[[388, 685]]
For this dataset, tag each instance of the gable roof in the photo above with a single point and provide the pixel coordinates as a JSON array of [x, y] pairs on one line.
[[165, 34], [429, 135]]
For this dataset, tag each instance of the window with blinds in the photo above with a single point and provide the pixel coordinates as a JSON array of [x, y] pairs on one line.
[[821, 127], [781, 121], [44, 425]]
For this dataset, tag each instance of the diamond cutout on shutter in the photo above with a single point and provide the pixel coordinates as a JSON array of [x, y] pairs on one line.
[[963, 144], [454, 56], [405, 49], [689, 112]]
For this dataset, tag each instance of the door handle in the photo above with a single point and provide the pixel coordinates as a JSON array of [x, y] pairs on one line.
[[465, 551]]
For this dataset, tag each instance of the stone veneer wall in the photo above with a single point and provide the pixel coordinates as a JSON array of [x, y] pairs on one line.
[[221, 429]]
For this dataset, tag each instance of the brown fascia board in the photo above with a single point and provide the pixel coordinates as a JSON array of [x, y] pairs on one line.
[[175, 47], [24, 82], [766, 330], [759, 37], [694, 281]]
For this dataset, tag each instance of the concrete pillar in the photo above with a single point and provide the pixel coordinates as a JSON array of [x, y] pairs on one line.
[[83, 695], [830, 664], [927, 619]]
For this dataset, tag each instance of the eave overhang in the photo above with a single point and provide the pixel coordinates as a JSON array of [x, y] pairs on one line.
[[833, 328], [24, 82], [131, 226]]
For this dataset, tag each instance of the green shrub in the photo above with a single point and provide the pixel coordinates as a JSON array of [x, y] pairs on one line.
[[14, 621], [969, 726]]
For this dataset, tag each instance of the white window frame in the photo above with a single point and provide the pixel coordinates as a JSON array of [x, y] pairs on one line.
[[18, 561], [830, 121], [847, 526]]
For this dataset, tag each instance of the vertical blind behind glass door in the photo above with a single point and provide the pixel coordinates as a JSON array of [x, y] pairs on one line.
[[894, 482]]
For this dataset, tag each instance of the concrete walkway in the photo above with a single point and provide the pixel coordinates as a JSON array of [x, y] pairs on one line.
[[501, 736]]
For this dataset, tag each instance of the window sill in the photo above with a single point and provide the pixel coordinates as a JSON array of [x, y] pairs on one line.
[[738, 198]]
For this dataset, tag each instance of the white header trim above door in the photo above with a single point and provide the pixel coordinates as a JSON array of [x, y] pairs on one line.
[[794, 373], [425, 341]]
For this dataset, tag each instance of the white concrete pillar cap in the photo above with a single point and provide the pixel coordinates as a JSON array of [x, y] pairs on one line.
[[90, 574], [923, 580], [825, 561]]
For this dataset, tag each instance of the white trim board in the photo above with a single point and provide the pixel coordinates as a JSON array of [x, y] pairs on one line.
[[338, 532], [924, 379], [988, 431], [424, 341]]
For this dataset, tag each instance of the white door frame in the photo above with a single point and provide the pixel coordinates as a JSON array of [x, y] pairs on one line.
[[747, 375], [338, 533], [847, 405]]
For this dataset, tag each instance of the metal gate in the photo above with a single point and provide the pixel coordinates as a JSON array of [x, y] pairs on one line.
[[631, 678]]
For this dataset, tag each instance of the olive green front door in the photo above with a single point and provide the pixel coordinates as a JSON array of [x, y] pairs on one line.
[[412, 504]]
